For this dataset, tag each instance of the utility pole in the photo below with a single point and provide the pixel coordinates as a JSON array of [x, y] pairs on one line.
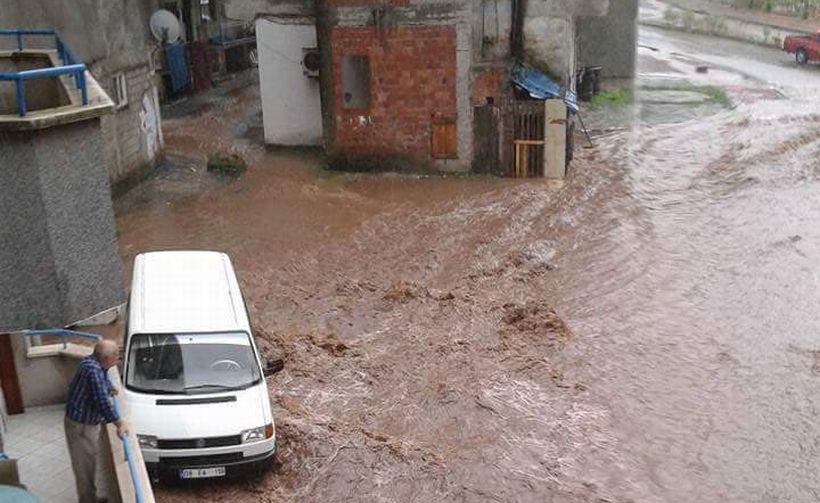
[[324, 26]]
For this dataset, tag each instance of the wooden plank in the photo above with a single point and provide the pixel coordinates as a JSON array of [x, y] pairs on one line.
[[8, 377]]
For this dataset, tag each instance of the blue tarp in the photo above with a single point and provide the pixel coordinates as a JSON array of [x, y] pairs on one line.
[[176, 63], [541, 87]]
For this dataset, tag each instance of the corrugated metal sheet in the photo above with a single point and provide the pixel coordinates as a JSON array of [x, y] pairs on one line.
[[541, 87]]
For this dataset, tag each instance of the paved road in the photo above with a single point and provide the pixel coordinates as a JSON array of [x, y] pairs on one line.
[[763, 64]]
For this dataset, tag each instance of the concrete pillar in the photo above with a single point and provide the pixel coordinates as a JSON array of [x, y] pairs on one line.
[[59, 261], [611, 40], [555, 139]]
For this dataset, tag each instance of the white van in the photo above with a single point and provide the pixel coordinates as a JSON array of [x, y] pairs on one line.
[[193, 380]]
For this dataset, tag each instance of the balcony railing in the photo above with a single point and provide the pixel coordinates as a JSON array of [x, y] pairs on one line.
[[70, 66], [134, 473]]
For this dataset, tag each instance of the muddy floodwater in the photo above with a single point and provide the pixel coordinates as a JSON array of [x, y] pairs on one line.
[[646, 331]]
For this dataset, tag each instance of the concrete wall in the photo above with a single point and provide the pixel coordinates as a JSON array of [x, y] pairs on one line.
[[39, 94], [549, 46], [610, 40], [133, 134], [568, 8], [59, 261], [43, 381], [492, 20], [110, 37], [248, 10], [550, 35], [291, 107]]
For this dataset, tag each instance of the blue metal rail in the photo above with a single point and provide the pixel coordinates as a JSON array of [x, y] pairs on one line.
[[70, 66], [64, 333], [128, 458]]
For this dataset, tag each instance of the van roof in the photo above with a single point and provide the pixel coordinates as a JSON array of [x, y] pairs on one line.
[[185, 291]]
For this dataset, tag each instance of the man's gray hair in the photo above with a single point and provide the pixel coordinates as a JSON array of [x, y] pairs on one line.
[[105, 349]]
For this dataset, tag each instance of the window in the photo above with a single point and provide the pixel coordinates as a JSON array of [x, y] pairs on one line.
[[120, 94], [355, 82], [191, 363]]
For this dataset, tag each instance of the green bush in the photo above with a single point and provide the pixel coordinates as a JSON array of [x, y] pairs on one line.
[[620, 96], [226, 164]]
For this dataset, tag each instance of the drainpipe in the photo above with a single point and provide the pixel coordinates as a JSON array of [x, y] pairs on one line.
[[324, 25], [519, 12]]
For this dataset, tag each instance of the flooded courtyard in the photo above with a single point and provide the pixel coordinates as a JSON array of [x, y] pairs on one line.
[[644, 331]]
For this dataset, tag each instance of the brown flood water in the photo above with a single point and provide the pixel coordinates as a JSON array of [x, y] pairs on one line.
[[424, 361]]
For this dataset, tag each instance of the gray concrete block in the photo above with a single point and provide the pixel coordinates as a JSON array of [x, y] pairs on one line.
[[60, 262]]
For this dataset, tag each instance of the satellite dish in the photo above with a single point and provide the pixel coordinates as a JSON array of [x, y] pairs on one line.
[[165, 26]]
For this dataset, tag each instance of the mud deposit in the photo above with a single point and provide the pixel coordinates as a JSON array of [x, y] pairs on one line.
[[644, 332], [413, 314]]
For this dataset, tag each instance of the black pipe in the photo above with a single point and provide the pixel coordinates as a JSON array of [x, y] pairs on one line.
[[519, 11]]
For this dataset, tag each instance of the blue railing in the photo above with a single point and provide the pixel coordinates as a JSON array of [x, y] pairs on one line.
[[70, 66], [128, 458], [64, 333]]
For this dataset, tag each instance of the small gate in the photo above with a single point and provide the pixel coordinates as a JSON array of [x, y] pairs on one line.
[[528, 139]]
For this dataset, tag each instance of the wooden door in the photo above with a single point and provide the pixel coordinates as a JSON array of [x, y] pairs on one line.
[[8, 377], [487, 136]]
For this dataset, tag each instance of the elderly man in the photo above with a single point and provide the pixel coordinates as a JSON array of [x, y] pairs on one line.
[[89, 406]]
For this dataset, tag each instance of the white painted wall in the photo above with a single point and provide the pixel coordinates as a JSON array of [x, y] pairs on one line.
[[551, 41], [291, 107]]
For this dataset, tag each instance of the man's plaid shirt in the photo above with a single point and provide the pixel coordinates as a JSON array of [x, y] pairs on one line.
[[88, 395]]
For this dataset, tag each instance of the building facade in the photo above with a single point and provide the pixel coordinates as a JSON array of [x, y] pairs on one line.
[[408, 84], [114, 40]]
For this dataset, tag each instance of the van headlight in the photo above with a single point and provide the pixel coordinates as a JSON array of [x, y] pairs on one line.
[[147, 441], [256, 434]]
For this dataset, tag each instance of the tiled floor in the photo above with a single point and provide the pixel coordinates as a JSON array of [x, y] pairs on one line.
[[37, 440]]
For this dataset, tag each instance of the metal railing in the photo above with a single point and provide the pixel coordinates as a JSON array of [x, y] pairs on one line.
[[70, 66], [64, 333], [128, 458]]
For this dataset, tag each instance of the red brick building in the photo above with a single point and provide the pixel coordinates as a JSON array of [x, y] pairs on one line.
[[395, 86], [394, 92], [411, 84]]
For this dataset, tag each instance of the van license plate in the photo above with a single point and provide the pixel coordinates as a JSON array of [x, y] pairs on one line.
[[202, 473]]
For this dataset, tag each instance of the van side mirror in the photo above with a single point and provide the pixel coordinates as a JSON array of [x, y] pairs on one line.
[[273, 366]]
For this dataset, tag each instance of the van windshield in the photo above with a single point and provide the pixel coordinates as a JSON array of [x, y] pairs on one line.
[[191, 363]]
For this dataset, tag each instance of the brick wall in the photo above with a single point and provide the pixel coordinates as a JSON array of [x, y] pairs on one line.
[[488, 83], [412, 85]]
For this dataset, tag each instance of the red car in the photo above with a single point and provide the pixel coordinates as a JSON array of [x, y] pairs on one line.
[[805, 47]]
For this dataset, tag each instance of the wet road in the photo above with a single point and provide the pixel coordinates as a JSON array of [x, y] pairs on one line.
[[698, 301], [746, 61], [424, 361]]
